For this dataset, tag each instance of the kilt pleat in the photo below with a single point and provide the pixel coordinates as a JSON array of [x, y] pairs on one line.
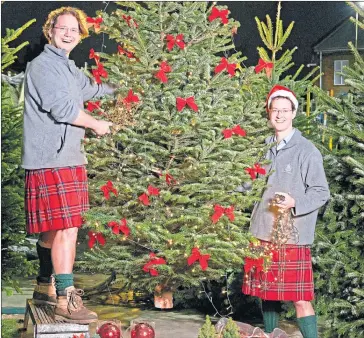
[[289, 277], [55, 198]]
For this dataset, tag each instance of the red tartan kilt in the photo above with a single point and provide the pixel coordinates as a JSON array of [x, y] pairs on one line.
[[289, 277], [55, 198]]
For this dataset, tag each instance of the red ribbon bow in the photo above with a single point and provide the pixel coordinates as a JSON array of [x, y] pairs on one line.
[[117, 227], [130, 98], [99, 72], [93, 55], [91, 106], [170, 179], [107, 188], [220, 211], [251, 263], [237, 130], [224, 64], [163, 69], [153, 191], [216, 13], [190, 101], [154, 260], [263, 65], [128, 19], [257, 169], [144, 199], [95, 22], [94, 237], [129, 55], [178, 40], [196, 255]]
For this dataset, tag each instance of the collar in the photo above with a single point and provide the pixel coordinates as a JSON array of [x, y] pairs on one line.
[[56, 53], [293, 140], [283, 142]]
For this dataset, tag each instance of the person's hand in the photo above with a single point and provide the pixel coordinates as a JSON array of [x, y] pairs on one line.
[[288, 203], [102, 127]]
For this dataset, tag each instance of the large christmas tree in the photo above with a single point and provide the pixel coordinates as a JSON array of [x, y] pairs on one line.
[[338, 254], [165, 209]]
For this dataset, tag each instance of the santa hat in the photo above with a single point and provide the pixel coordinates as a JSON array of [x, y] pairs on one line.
[[278, 90]]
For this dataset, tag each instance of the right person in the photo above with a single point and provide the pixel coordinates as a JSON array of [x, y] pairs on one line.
[[297, 174]]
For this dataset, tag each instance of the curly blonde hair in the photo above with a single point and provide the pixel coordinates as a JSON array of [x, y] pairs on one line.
[[80, 15]]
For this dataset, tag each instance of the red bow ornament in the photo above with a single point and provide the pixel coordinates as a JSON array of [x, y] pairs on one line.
[[251, 263], [216, 13], [268, 66], [99, 72], [163, 69], [190, 101], [128, 20], [170, 179], [117, 227], [107, 188], [144, 199], [196, 255], [154, 260], [94, 237], [153, 191], [220, 211], [129, 55], [257, 169], [94, 23], [130, 98], [93, 55], [237, 130], [178, 40], [224, 64], [91, 106]]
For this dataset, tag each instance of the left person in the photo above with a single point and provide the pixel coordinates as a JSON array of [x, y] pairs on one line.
[[56, 188]]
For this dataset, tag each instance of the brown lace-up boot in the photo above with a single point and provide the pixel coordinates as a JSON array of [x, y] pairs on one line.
[[70, 307], [45, 293]]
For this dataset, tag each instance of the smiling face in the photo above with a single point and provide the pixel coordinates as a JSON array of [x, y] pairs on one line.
[[281, 114], [65, 33]]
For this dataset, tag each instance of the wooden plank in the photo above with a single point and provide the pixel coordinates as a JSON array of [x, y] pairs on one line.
[[61, 327], [61, 335], [26, 317], [45, 326]]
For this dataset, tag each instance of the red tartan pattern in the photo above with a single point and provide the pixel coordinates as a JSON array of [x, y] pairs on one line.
[[55, 198], [289, 277]]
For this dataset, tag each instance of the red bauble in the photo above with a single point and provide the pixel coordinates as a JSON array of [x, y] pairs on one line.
[[142, 330], [109, 330]]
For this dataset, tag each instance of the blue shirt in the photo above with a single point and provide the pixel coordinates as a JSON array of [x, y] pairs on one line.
[[281, 144]]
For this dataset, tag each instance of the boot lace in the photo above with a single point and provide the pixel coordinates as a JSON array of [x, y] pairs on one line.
[[75, 301]]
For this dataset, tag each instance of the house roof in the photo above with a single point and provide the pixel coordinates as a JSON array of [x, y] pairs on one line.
[[337, 39]]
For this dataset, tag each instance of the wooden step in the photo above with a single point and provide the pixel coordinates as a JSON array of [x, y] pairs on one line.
[[46, 326]]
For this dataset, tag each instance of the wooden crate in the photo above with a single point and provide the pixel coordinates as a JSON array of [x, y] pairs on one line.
[[45, 326]]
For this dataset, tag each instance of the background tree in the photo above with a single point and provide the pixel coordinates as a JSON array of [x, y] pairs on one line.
[[339, 247], [13, 236]]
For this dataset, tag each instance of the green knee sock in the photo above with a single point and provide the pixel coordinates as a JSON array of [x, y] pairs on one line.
[[270, 315], [45, 264], [63, 281], [308, 326]]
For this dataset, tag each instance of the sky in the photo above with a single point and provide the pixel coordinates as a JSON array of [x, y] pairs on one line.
[[313, 20]]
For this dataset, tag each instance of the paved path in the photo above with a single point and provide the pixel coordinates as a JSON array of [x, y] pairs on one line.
[[169, 324]]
